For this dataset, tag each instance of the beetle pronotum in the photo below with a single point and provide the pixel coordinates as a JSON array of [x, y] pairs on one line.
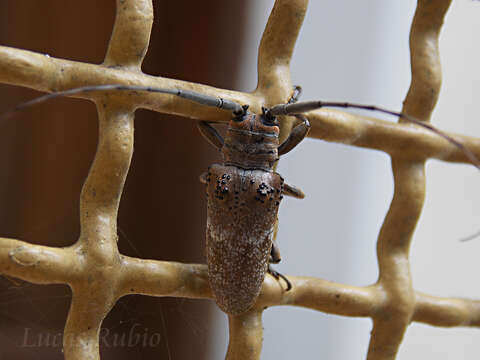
[[244, 192]]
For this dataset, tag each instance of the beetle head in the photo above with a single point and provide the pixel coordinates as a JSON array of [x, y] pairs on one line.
[[246, 121]]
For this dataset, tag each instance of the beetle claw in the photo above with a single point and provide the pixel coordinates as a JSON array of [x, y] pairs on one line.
[[278, 275]]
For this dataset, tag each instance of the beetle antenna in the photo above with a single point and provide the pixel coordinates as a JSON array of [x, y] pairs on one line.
[[304, 106], [186, 94]]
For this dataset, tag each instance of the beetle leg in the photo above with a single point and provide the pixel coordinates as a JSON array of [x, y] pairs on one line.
[[297, 91], [297, 134], [293, 191], [277, 276], [275, 256], [210, 133]]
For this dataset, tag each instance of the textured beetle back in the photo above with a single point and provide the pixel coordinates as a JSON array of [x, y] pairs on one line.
[[250, 143], [242, 211]]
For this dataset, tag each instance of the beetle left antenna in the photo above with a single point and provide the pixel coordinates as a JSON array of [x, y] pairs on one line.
[[199, 98]]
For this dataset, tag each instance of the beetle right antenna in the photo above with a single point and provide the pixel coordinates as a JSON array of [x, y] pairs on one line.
[[304, 106]]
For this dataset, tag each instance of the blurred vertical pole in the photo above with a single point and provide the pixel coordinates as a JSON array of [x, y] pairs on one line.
[[45, 154]]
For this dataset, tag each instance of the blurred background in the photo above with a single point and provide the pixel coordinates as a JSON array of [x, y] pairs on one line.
[[348, 51]]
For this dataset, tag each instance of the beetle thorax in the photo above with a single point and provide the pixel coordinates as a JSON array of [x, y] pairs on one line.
[[251, 142]]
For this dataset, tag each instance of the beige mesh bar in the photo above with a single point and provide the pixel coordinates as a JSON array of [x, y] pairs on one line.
[[99, 275]]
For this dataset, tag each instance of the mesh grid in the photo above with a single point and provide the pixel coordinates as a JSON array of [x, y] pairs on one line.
[[98, 274]]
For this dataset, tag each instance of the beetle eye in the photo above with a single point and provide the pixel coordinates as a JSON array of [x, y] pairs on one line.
[[268, 119], [239, 116]]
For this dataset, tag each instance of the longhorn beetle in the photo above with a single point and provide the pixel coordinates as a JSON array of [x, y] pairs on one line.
[[244, 193]]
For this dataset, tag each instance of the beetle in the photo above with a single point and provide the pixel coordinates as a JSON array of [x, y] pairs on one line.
[[244, 192], [243, 197]]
